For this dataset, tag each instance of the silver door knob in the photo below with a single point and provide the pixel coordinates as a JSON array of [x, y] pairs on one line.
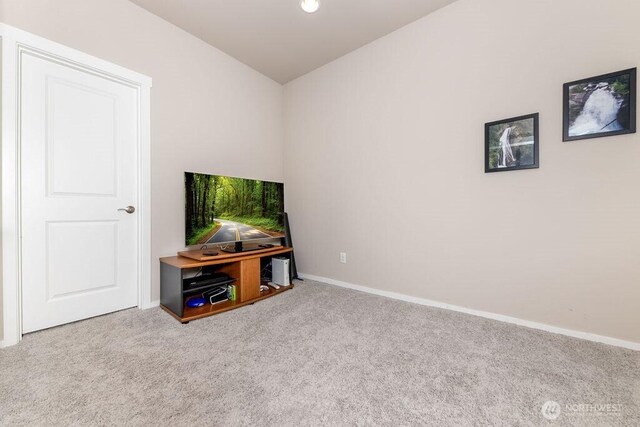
[[128, 209]]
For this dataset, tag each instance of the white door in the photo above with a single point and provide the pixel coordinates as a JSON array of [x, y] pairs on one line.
[[78, 167]]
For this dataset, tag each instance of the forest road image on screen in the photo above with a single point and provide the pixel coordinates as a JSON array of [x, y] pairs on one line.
[[222, 209]]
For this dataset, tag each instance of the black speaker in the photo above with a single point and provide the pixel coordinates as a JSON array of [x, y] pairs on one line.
[[287, 241]]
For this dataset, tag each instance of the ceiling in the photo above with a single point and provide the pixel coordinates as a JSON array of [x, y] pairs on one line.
[[281, 41]]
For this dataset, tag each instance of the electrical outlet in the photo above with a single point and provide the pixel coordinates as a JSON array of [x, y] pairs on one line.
[[343, 257]]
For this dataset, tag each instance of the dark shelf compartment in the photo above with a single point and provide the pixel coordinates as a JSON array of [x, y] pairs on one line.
[[193, 313]]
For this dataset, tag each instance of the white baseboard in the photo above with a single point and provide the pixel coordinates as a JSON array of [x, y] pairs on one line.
[[152, 304], [502, 318], [7, 343]]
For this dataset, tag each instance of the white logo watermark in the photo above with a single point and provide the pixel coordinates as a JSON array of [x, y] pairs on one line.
[[551, 410]]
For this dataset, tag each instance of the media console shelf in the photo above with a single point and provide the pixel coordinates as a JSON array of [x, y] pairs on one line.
[[244, 267]]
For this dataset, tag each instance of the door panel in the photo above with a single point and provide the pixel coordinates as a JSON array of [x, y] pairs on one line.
[[78, 166], [81, 142], [84, 272]]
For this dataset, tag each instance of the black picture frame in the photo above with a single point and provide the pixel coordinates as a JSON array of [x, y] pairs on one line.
[[535, 117], [630, 119]]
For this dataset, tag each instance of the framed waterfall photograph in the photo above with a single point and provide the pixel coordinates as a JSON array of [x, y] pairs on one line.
[[600, 106], [511, 144]]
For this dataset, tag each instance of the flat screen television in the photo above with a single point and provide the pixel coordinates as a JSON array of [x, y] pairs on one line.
[[222, 210]]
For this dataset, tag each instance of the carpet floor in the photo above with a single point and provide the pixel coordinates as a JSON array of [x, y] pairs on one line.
[[315, 355]]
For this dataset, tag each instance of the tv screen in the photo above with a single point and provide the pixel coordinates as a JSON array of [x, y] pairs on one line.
[[224, 209]]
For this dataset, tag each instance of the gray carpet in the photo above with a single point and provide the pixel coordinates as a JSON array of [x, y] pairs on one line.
[[316, 355]]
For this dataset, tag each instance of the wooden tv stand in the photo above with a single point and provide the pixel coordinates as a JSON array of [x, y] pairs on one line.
[[245, 267]]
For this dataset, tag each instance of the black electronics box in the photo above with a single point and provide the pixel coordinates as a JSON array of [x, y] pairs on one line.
[[207, 279]]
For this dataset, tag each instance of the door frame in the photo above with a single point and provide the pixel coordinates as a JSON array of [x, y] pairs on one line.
[[14, 44]]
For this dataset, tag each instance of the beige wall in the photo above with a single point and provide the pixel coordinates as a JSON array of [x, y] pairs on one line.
[[384, 160], [209, 112]]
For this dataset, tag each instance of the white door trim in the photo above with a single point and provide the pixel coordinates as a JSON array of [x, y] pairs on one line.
[[15, 42]]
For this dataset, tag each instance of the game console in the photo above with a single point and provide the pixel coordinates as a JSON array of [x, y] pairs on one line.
[[280, 271]]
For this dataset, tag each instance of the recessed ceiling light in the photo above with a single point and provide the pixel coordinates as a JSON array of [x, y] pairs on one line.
[[309, 6]]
